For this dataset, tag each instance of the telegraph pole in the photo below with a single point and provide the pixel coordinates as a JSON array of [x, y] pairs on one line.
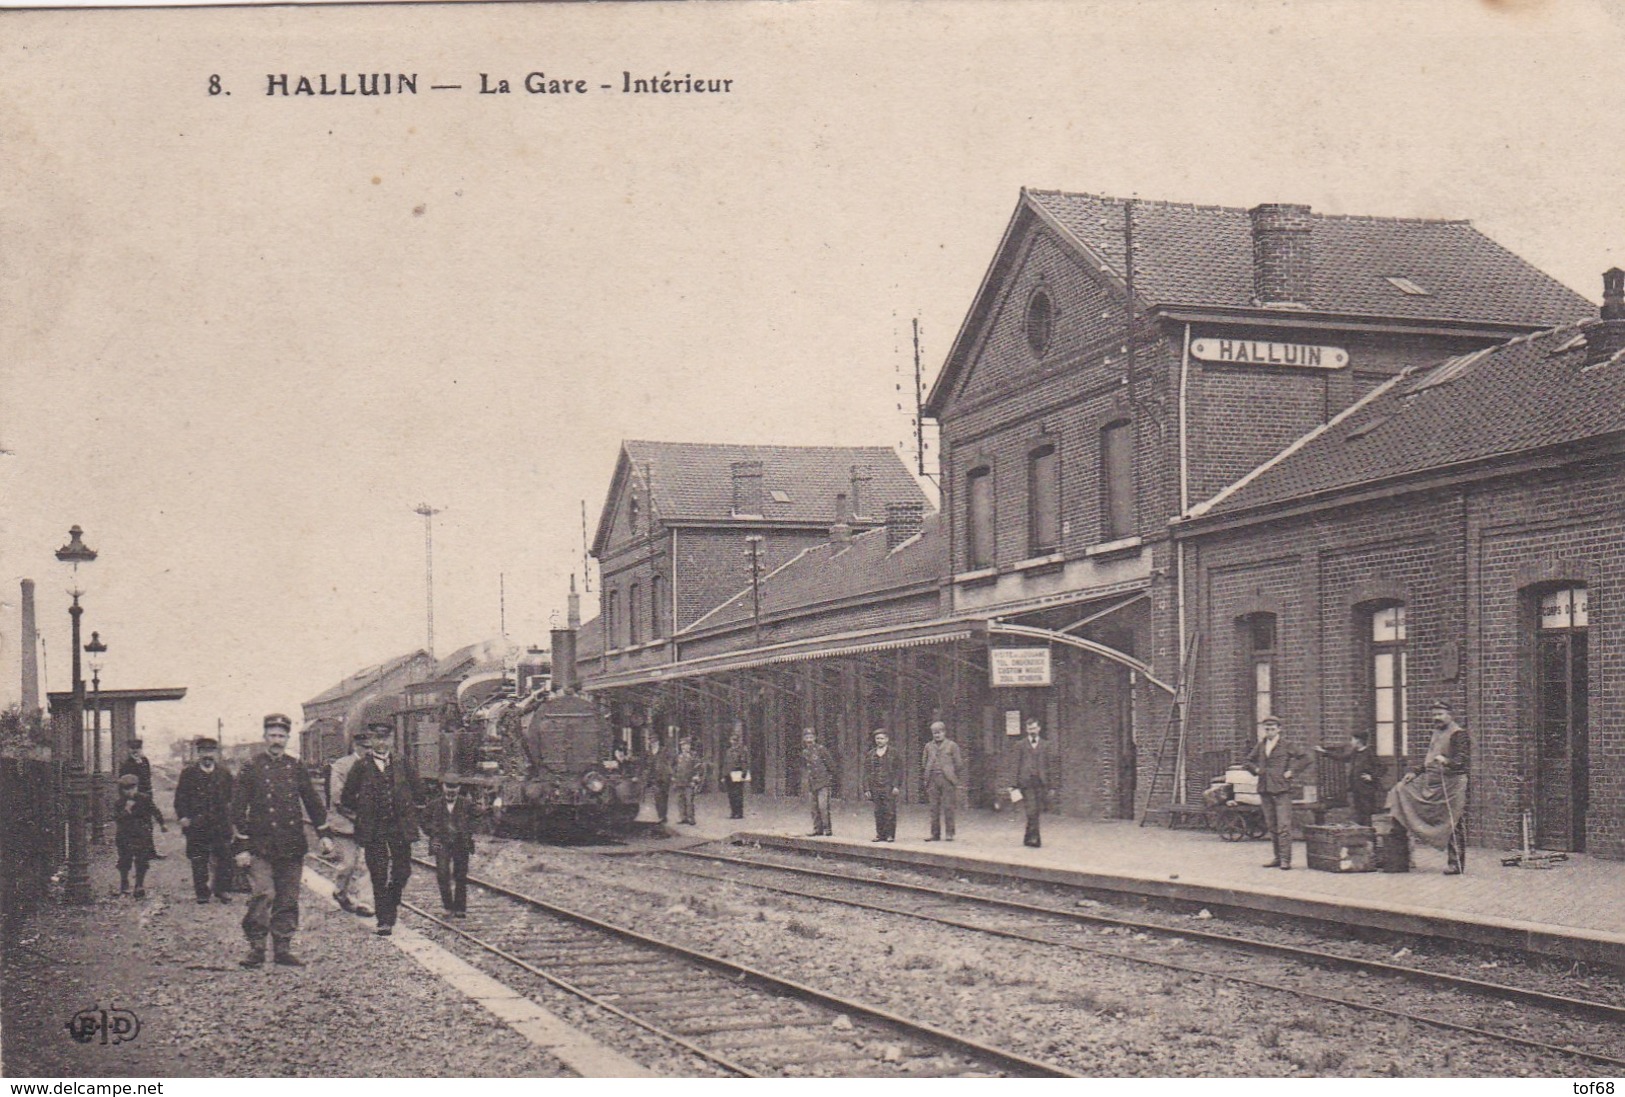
[[428, 514]]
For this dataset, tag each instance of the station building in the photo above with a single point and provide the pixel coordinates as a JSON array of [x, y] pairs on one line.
[[1123, 363]]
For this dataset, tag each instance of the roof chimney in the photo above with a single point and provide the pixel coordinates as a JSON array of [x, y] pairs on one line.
[[903, 520], [748, 487], [1606, 337], [841, 532], [860, 488], [1283, 254]]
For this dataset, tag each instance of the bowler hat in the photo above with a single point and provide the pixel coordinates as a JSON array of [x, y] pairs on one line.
[[207, 744], [277, 720]]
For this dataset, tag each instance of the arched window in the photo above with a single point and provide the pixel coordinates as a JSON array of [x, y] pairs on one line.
[[1387, 678], [634, 610], [1117, 504], [979, 517], [634, 515], [1043, 500], [1258, 671], [1040, 321]]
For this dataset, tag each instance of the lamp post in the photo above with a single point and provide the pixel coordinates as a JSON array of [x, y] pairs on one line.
[[76, 888], [98, 783]]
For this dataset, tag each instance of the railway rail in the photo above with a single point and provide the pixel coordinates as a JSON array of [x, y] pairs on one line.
[[737, 1019], [1037, 923]]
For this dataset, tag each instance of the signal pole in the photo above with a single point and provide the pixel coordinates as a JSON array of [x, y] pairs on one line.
[[428, 514]]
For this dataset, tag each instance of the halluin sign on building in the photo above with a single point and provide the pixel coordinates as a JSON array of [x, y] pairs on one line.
[[1018, 667], [1254, 352]]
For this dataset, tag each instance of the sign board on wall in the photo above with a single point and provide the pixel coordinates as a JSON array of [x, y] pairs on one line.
[[1012, 721], [1018, 667], [1254, 352]]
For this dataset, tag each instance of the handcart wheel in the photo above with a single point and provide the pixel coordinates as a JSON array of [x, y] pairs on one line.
[[1255, 827], [1233, 828]]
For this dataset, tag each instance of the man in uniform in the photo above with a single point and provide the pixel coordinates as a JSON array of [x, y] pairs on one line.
[[1032, 779], [944, 767], [382, 791], [659, 767], [883, 779], [818, 774], [203, 806], [269, 830], [343, 827], [135, 762], [736, 771], [1276, 764], [449, 822]]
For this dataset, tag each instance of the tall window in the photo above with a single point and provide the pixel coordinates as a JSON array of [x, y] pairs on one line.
[[1117, 517], [1043, 500], [1388, 678], [612, 606], [979, 517], [634, 609], [634, 515], [1562, 715], [657, 607], [1258, 640]]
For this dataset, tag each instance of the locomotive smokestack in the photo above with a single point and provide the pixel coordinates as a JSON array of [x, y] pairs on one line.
[[564, 659]]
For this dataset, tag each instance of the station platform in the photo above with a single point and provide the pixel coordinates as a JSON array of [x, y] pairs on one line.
[[1575, 910]]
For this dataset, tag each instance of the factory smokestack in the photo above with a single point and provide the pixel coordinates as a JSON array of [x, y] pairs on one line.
[[30, 652]]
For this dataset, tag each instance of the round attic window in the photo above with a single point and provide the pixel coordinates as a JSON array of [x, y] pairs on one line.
[[1040, 321]]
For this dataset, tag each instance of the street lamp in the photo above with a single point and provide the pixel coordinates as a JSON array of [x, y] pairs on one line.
[[98, 781], [76, 888]]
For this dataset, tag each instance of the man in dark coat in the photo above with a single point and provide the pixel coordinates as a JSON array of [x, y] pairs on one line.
[[1276, 765], [449, 822], [380, 794], [736, 771], [1033, 779], [133, 817], [818, 776], [687, 775], [883, 784], [203, 806], [135, 762], [658, 765], [268, 830], [1359, 760]]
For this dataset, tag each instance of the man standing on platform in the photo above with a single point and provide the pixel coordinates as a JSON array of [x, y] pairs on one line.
[[883, 780], [203, 806], [686, 775], [944, 768], [818, 775], [658, 765], [1276, 764], [343, 826], [736, 771], [382, 792], [269, 831], [1033, 779]]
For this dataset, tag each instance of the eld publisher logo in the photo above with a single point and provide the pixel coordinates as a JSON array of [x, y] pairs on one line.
[[113, 1026]]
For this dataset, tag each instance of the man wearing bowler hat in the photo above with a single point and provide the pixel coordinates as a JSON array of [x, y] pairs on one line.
[[203, 806], [269, 832], [381, 792]]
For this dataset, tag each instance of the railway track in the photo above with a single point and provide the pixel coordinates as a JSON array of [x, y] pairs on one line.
[[1229, 957], [737, 1019]]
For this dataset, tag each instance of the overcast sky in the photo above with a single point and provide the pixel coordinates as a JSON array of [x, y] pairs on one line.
[[242, 336]]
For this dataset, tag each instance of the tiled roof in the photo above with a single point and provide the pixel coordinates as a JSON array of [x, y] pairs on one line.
[[590, 639], [1203, 256], [363, 678], [694, 480], [833, 572], [1527, 395]]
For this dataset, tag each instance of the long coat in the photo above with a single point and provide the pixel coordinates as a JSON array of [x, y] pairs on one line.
[[374, 796], [452, 828], [1272, 770], [204, 800], [659, 764], [265, 807]]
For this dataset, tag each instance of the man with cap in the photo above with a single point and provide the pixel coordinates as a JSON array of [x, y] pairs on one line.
[[658, 765], [380, 793], [943, 766], [268, 827], [1430, 802], [449, 822], [132, 829], [343, 826], [883, 782], [135, 762], [1276, 764], [203, 806], [818, 774]]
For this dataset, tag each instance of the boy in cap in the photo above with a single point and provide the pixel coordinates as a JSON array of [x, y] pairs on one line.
[[449, 822], [132, 823], [268, 827], [203, 806], [343, 827]]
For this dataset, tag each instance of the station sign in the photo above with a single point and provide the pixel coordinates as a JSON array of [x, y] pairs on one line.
[[1256, 352], [1018, 667]]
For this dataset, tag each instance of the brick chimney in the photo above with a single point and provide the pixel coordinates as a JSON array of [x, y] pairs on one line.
[[860, 489], [841, 532], [1283, 254], [1606, 337], [747, 487], [903, 520]]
